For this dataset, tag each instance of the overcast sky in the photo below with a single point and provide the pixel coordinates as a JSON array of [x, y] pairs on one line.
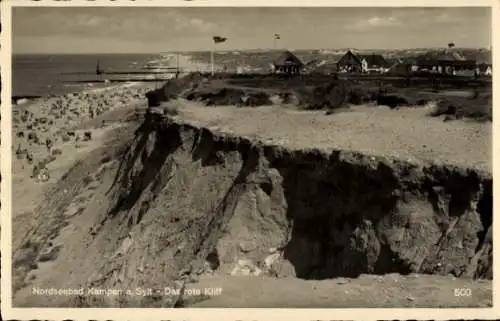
[[127, 30]]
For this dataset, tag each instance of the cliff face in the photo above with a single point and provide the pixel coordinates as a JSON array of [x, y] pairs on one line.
[[219, 198], [179, 199]]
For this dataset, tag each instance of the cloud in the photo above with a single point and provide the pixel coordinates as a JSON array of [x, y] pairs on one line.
[[382, 22], [201, 25], [413, 19], [374, 22], [444, 17]]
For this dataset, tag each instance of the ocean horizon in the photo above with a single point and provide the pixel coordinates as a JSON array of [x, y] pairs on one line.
[[56, 74]]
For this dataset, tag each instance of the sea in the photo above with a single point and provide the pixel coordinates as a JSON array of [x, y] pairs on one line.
[[42, 75]]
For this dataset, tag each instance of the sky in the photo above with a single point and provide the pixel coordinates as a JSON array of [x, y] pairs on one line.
[[163, 29]]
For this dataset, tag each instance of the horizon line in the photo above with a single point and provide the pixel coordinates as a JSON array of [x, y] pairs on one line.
[[243, 50]]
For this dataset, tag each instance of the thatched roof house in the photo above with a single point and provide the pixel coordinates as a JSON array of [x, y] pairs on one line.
[[374, 61], [445, 58], [350, 62], [288, 59], [288, 63], [357, 63]]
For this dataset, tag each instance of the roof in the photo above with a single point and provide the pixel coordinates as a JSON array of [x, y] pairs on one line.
[[484, 67], [409, 61], [394, 61], [482, 57], [374, 60], [443, 55], [350, 59], [288, 58]]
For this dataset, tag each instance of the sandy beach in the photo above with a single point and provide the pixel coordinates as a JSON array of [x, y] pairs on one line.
[[49, 133]]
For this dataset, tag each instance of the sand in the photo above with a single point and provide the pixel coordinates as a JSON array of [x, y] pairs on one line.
[[407, 133], [369, 291]]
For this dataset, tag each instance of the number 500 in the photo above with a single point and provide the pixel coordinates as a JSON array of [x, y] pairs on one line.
[[462, 292]]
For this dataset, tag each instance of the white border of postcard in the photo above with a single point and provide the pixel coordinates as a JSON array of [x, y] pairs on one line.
[[217, 314]]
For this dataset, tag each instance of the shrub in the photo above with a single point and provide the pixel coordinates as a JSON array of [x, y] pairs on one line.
[[172, 89], [359, 95], [392, 100], [460, 107], [224, 97], [331, 96], [257, 99]]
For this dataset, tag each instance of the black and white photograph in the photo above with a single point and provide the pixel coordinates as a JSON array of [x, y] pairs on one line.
[[251, 157]]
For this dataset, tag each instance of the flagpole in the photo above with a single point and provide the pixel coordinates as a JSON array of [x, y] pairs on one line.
[[178, 67]]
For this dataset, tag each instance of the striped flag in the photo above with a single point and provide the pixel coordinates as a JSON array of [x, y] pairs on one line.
[[218, 39], [277, 36]]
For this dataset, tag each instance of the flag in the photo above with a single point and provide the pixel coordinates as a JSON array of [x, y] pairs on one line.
[[218, 39], [277, 36]]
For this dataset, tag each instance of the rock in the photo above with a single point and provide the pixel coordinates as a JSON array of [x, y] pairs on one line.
[[271, 259], [342, 281], [50, 255], [73, 210], [245, 268]]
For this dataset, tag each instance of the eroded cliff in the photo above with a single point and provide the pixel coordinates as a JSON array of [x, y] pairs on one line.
[[186, 200], [336, 214]]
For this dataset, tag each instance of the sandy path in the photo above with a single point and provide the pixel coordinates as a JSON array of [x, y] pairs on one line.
[[407, 133], [367, 291]]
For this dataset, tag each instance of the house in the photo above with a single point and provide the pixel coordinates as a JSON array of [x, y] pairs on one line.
[[352, 62], [485, 69], [448, 61], [484, 63], [288, 63], [447, 64], [374, 63]]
